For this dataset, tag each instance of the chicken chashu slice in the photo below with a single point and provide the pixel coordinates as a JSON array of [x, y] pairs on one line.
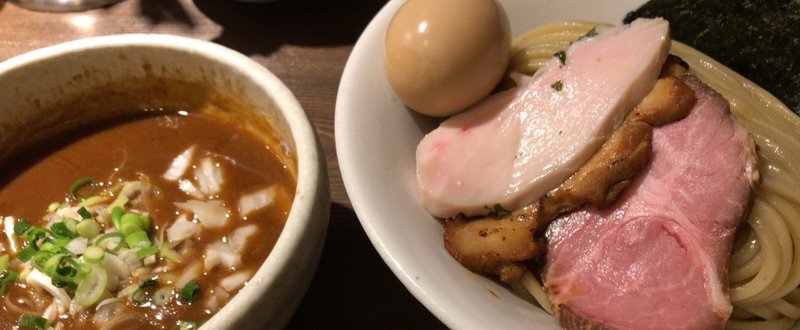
[[500, 243], [515, 146]]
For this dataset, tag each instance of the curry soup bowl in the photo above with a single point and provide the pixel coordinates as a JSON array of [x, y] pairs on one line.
[[73, 85]]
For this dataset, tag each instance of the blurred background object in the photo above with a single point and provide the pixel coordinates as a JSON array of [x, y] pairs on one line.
[[62, 5]]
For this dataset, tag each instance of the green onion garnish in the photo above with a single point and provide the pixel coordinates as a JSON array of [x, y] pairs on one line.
[[186, 325], [116, 216], [146, 252], [139, 296], [21, 226], [60, 230], [91, 288], [190, 291], [170, 254], [64, 277], [138, 240], [93, 254], [131, 222], [76, 186], [88, 228], [85, 213], [112, 235], [53, 207], [34, 234], [6, 278], [27, 253], [4, 259], [31, 321]]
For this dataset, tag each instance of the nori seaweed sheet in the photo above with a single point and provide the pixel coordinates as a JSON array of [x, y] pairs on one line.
[[760, 39]]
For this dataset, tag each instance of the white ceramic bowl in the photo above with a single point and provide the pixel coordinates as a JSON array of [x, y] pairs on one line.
[[376, 137], [33, 85]]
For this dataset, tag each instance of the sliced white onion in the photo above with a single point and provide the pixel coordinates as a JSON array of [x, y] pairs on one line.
[[180, 164], [238, 240], [217, 298], [117, 270], [194, 271], [182, 229], [77, 245], [128, 256], [209, 176], [189, 188], [256, 200], [211, 214], [106, 309], [129, 189], [8, 229], [235, 281], [45, 282], [219, 253], [67, 212], [54, 310]]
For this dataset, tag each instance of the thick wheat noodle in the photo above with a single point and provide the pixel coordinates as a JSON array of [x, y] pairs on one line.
[[746, 250], [764, 274]]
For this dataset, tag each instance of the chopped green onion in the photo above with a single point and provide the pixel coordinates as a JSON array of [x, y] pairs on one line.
[[4, 259], [64, 277], [131, 222], [139, 295], [116, 216], [186, 325], [60, 229], [71, 224], [34, 234], [85, 213], [91, 289], [78, 185], [53, 207], [31, 321], [88, 228], [170, 254], [57, 242], [21, 227], [148, 283], [190, 291], [138, 240], [93, 254], [54, 262], [120, 202], [41, 257], [92, 201], [147, 251], [6, 278], [27, 253], [111, 235]]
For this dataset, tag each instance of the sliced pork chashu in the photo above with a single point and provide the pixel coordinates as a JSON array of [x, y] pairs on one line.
[[657, 258]]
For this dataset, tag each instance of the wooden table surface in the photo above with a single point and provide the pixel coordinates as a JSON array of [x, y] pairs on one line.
[[306, 44]]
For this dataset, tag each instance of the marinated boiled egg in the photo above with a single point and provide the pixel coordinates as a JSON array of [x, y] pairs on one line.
[[442, 56]]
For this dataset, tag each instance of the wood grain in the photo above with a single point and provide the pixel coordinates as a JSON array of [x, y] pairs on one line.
[[306, 44]]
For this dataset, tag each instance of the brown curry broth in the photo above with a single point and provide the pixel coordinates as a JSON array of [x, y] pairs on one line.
[[125, 149]]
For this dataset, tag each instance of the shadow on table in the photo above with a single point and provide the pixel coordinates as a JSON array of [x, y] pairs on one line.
[[354, 289], [263, 28]]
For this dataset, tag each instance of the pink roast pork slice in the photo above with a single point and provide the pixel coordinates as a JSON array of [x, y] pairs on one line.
[[517, 145], [657, 259]]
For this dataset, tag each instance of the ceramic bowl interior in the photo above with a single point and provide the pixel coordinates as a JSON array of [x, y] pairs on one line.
[[50, 90]]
